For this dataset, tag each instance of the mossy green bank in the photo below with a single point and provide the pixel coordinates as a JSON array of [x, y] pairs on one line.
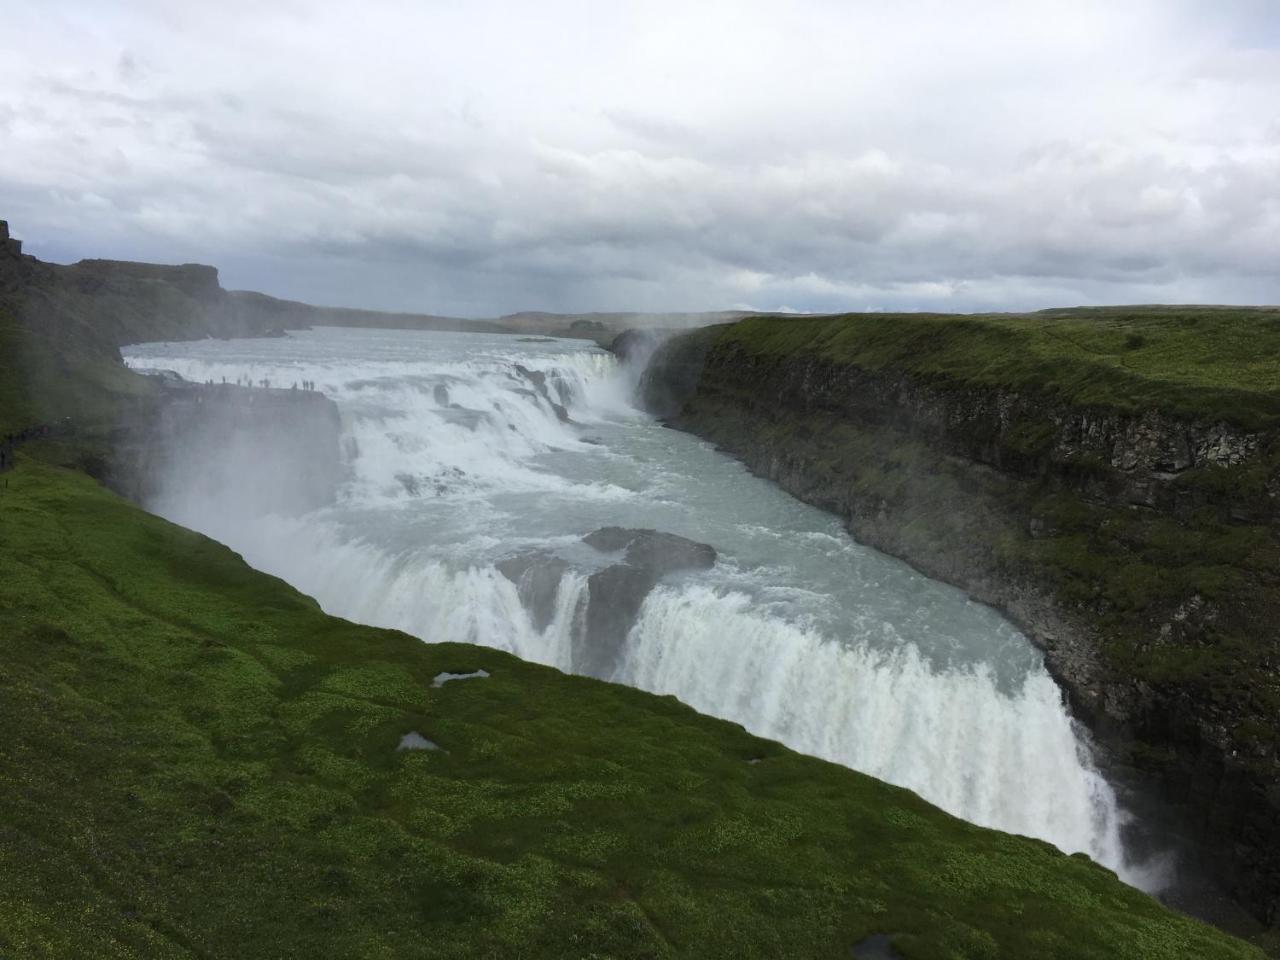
[[198, 762], [1194, 361]]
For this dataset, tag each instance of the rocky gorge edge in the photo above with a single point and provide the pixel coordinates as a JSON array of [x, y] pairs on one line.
[[1123, 543]]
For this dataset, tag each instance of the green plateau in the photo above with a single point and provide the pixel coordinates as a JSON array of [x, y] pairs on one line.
[[1194, 361]]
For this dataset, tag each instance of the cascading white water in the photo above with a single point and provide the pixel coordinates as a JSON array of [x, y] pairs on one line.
[[1006, 760], [459, 458]]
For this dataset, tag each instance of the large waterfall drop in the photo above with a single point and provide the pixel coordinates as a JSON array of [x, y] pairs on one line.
[[464, 451]]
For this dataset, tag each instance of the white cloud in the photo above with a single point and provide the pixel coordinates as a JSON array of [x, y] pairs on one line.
[[482, 157]]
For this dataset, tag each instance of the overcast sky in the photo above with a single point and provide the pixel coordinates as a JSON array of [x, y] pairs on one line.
[[477, 157]]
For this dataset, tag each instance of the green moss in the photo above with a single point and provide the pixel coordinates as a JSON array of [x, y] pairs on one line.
[[14, 402], [1246, 481], [1030, 438], [173, 784], [1206, 362]]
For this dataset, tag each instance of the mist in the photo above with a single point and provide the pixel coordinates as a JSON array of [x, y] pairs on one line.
[[506, 491]]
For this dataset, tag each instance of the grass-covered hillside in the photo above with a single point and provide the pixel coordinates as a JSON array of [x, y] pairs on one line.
[[1204, 362], [199, 763]]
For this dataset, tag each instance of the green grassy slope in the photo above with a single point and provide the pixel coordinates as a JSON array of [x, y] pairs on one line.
[[1214, 362], [199, 763], [14, 412]]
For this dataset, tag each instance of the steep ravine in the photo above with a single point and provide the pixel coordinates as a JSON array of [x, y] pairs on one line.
[[1136, 547]]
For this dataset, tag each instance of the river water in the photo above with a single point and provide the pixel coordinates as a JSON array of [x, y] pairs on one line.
[[458, 458]]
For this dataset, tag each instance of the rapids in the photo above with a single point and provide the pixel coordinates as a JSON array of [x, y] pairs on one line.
[[464, 449]]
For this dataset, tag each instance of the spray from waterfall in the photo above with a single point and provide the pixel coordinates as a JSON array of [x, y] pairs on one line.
[[465, 453]]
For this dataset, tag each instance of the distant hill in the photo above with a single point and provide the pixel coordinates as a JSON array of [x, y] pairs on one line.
[[62, 326], [213, 311]]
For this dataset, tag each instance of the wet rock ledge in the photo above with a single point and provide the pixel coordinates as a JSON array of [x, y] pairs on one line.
[[615, 593]]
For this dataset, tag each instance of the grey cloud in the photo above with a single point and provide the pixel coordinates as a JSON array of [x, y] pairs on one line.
[[471, 166]]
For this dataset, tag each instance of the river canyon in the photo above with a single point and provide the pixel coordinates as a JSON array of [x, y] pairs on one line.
[[481, 476]]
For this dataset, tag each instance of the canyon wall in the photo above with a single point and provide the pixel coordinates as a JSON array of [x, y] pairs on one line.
[[1138, 548]]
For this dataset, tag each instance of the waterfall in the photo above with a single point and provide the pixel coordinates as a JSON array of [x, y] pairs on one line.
[[1011, 761], [464, 450]]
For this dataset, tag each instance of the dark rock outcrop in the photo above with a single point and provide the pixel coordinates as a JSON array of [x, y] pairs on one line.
[[196, 280], [13, 247], [539, 381], [673, 372], [616, 593], [537, 577], [653, 550], [635, 345], [10, 248]]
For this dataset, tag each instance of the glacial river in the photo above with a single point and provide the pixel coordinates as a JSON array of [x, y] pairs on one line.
[[458, 458]]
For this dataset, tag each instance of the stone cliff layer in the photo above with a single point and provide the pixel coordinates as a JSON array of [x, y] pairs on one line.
[[1136, 546]]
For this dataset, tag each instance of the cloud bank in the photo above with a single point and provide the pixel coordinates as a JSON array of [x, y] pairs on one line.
[[482, 157]]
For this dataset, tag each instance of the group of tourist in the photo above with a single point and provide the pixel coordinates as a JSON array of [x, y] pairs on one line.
[[245, 381]]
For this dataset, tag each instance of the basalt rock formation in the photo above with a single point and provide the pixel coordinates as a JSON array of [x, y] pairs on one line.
[[538, 380], [1137, 543], [617, 592], [537, 577], [10, 248]]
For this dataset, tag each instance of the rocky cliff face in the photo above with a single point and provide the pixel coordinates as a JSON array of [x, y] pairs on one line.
[[10, 248], [195, 280], [1138, 549]]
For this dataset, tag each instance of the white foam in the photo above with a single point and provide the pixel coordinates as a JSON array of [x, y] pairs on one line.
[[440, 679], [413, 740], [836, 680], [1012, 762]]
